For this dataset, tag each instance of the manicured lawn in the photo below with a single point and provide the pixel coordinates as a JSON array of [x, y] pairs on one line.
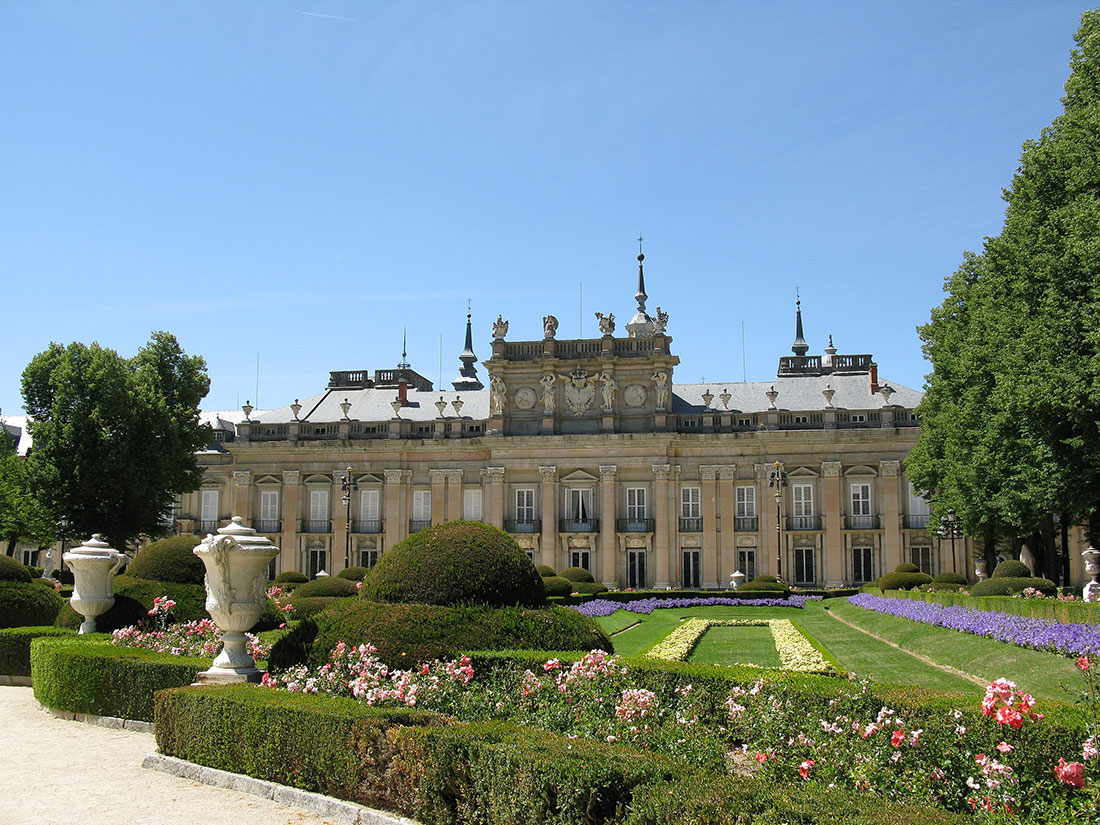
[[856, 652], [737, 646]]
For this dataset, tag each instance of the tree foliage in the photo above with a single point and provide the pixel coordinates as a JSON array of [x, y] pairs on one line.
[[22, 516], [115, 438], [1009, 421]]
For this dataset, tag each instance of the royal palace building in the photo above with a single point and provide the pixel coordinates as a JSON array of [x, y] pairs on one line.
[[591, 455]]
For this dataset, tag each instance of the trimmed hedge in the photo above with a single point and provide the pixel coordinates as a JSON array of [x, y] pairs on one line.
[[15, 647], [557, 586], [902, 581], [1005, 586], [408, 634], [169, 560], [545, 570], [589, 588], [326, 586], [291, 577], [87, 674], [906, 567], [1068, 612], [355, 574], [35, 572], [28, 604], [577, 574], [1012, 569], [304, 608], [13, 571], [134, 599], [950, 578]]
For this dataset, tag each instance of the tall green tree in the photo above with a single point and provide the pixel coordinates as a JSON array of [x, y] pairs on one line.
[[114, 439], [1010, 417], [22, 516]]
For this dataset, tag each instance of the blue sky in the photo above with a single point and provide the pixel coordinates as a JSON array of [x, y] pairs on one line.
[[301, 180]]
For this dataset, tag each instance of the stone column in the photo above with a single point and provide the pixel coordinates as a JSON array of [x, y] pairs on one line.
[[288, 555], [392, 509], [339, 524], [240, 496], [766, 551], [891, 514], [672, 526], [439, 495], [834, 562], [661, 549], [548, 504], [608, 513], [454, 495], [495, 477], [708, 503], [727, 501]]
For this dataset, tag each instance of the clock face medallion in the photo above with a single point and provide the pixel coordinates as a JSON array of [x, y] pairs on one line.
[[634, 395], [525, 398]]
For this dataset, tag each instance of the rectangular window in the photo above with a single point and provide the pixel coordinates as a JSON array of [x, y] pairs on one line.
[[635, 568], [580, 558], [318, 505], [208, 512], [746, 563], [471, 505], [579, 504], [318, 561], [422, 505], [861, 499], [804, 565], [861, 565], [803, 498], [525, 504], [28, 556], [370, 505], [689, 502], [858, 418], [922, 558], [919, 510], [746, 502], [269, 505], [368, 558], [272, 570], [744, 422], [635, 503], [692, 568]]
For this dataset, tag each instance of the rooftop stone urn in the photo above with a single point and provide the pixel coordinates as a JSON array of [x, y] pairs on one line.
[[236, 591], [94, 564]]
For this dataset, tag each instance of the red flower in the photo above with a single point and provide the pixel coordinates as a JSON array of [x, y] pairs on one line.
[[897, 738], [1011, 717], [1070, 773], [804, 768], [761, 758], [1083, 662]]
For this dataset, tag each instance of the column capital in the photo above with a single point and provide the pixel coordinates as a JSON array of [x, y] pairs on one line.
[[242, 478], [494, 475], [890, 468], [454, 476], [394, 476], [437, 476], [292, 476], [727, 472], [548, 473], [708, 472], [662, 472], [607, 472], [830, 469]]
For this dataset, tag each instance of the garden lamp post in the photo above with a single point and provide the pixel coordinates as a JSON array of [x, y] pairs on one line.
[[951, 527], [777, 479], [349, 485], [62, 531]]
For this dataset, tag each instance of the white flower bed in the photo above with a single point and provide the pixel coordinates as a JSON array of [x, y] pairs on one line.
[[795, 651]]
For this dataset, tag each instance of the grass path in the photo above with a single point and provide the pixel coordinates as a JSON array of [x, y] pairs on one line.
[[737, 645]]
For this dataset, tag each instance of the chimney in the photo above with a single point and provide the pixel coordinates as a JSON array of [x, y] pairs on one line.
[[403, 391], [874, 378]]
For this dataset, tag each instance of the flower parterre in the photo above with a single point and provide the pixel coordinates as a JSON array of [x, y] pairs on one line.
[[794, 649], [198, 638], [1074, 639], [604, 607]]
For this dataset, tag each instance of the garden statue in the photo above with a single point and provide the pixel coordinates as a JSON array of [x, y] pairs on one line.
[[94, 564], [1091, 592], [236, 593]]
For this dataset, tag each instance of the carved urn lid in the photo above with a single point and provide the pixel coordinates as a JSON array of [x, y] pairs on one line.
[[245, 537], [95, 547]]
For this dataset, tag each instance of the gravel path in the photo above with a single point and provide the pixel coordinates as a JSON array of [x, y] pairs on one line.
[[54, 772]]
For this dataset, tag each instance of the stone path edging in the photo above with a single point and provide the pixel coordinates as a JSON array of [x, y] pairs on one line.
[[315, 803], [102, 721], [945, 668], [19, 681]]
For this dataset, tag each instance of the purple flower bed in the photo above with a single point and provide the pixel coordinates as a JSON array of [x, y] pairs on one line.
[[602, 607], [1041, 634]]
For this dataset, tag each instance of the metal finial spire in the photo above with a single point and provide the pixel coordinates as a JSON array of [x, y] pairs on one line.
[[799, 347], [467, 374], [404, 364], [640, 295]]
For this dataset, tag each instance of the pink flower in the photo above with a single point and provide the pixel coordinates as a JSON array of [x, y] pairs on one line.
[[1070, 773], [1004, 747], [1011, 717], [761, 758], [897, 738], [1083, 662], [804, 768]]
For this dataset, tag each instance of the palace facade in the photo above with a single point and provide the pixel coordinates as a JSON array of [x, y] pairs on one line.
[[591, 455]]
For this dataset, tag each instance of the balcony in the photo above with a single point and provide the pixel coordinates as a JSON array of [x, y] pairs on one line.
[[418, 524], [634, 525], [571, 525], [918, 521], [523, 525], [746, 524], [861, 522], [367, 525], [269, 525], [691, 525], [208, 526], [313, 525], [803, 522]]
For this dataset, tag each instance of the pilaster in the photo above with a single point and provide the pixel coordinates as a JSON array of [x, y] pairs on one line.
[[495, 478], [291, 502], [607, 524], [240, 492], [548, 503], [727, 508], [393, 509], [891, 514], [439, 495], [454, 495], [834, 561], [708, 504], [661, 473]]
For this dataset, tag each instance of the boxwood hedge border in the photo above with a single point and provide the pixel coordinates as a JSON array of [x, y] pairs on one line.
[[15, 648]]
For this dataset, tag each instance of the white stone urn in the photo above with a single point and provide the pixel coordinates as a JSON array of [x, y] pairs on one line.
[[236, 591], [981, 569], [94, 564], [1091, 592], [737, 578]]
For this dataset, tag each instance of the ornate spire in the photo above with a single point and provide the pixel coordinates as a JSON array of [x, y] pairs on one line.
[[467, 373], [640, 295], [799, 347], [403, 364], [641, 325]]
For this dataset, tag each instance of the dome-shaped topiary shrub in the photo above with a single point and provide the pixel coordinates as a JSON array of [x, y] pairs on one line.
[[902, 581], [410, 634], [1011, 569], [1008, 586], [576, 574], [766, 578], [589, 588], [326, 586], [545, 570], [23, 604], [291, 577], [169, 560], [906, 567], [769, 585], [36, 572], [13, 571], [950, 578], [557, 586], [354, 574], [134, 600], [459, 562]]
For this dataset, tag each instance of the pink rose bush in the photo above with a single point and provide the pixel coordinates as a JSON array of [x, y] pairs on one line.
[[198, 638]]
